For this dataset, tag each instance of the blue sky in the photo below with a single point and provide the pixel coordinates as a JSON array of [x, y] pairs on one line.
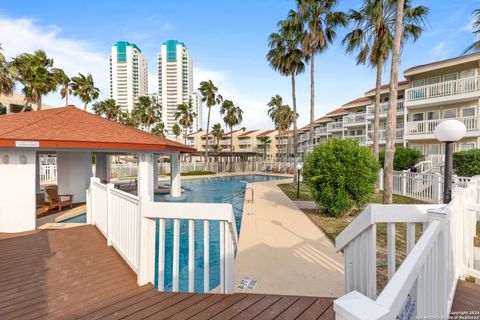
[[227, 39]]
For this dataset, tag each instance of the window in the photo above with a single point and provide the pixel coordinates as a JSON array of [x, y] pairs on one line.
[[467, 146], [418, 147], [433, 115], [450, 77], [418, 83], [359, 132], [417, 116], [433, 149], [468, 112], [467, 73], [449, 113], [433, 80]]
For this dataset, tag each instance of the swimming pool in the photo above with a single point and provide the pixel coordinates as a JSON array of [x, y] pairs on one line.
[[229, 189], [81, 218]]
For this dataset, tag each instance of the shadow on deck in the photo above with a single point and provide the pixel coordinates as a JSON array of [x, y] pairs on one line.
[[72, 273]]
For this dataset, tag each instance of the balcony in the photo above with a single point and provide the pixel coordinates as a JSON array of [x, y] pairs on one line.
[[334, 126], [424, 129], [320, 131], [354, 120], [384, 109], [382, 136], [434, 94]]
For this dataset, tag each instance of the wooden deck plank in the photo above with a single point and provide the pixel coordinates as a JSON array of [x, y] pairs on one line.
[[73, 274], [316, 309], [467, 297]]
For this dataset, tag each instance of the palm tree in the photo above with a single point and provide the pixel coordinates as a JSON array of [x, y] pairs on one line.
[[211, 97], [177, 131], [37, 75], [107, 108], [184, 116], [265, 140], [392, 107], [217, 133], [146, 112], [320, 24], [282, 116], [84, 87], [373, 37], [475, 31], [233, 116], [286, 56], [65, 90], [159, 129], [7, 85]]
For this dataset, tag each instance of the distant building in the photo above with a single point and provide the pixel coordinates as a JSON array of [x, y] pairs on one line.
[[175, 83], [16, 103], [128, 74]]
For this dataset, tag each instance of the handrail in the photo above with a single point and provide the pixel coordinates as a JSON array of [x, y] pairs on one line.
[[451, 87]]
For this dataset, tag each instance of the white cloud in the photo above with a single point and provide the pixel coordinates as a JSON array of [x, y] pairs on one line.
[[438, 52], [73, 56]]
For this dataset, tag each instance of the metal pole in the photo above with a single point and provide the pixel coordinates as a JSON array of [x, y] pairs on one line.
[[447, 182], [298, 183]]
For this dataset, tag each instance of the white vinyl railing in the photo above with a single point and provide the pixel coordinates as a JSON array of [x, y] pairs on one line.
[[424, 284], [382, 134], [428, 126], [320, 130], [361, 138], [384, 108], [128, 224], [354, 119], [332, 126], [463, 85]]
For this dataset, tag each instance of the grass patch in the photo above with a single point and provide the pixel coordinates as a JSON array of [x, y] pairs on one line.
[[477, 238], [290, 190]]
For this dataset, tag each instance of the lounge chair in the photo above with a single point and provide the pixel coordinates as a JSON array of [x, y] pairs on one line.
[[55, 200]]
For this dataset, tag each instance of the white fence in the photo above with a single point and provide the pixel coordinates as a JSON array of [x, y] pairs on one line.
[[48, 172], [462, 85], [426, 187], [424, 285], [128, 223]]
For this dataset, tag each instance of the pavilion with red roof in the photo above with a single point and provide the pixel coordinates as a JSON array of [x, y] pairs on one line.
[[74, 136]]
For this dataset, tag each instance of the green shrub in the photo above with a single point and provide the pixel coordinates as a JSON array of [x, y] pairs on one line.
[[467, 163], [340, 174], [403, 159]]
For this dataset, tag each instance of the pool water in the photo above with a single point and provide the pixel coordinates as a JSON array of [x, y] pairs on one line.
[[81, 218], [211, 190]]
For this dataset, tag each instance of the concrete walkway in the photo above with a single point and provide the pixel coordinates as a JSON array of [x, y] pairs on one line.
[[281, 251]]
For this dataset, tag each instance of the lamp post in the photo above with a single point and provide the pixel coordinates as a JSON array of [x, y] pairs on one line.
[[299, 168], [449, 131]]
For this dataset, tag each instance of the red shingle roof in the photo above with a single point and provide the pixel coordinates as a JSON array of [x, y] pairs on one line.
[[247, 133], [337, 111], [265, 133], [70, 127], [358, 100], [385, 86]]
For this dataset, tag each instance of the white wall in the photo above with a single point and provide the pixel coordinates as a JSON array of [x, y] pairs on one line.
[[17, 190], [74, 170]]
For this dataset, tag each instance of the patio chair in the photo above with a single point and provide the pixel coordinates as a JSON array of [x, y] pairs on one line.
[[55, 200]]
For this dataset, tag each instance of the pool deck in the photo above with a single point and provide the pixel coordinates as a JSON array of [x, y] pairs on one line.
[[283, 250]]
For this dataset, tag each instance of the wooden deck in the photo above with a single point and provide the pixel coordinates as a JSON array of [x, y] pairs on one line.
[[73, 274], [467, 298]]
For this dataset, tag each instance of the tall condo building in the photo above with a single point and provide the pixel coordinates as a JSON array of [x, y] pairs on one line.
[[128, 74], [175, 83]]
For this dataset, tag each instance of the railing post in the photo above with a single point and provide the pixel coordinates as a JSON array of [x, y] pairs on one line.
[[404, 183], [110, 186], [146, 243], [437, 188]]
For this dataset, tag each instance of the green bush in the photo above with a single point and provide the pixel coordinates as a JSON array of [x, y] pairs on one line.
[[467, 163], [341, 174], [403, 159]]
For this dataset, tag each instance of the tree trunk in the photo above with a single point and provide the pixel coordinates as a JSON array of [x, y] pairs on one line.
[[206, 140], [376, 114], [39, 103], [85, 107], [295, 142], [66, 98], [231, 149], [392, 108], [312, 100]]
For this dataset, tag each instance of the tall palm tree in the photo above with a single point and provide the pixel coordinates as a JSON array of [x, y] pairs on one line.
[[392, 104], [211, 97], [177, 131], [37, 75], [372, 39], [265, 140], [84, 88], [159, 129], [146, 112], [320, 22], [7, 85], [282, 116], [288, 118], [286, 56], [184, 115], [475, 31], [217, 133], [107, 108], [233, 116]]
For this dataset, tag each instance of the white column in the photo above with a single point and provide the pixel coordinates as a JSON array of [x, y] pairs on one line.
[[145, 176], [74, 170], [102, 166], [37, 173], [17, 190], [155, 172], [175, 189]]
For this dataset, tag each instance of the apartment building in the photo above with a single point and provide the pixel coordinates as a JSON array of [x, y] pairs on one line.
[[247, 141], [268, 148], [448, 89], [128, 74], [175, 84]]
